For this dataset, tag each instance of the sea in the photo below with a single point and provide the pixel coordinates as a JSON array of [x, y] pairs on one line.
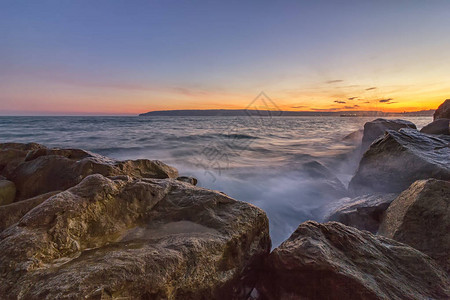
[[254, 159]]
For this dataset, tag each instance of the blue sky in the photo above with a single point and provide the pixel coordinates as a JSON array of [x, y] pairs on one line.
[[133, 56]]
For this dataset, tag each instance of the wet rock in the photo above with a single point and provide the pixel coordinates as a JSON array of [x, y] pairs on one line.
[[324, 184], [364, 212], [37, 170], [134, 239], [374, 129], [188, 179], [334, 261], [7, 192], [354, 137], [420, 217], [443, 111], [12, 213], [398, 159], [440, 126]]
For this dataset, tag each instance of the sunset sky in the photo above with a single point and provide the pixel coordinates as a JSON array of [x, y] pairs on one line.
[[128, 57]]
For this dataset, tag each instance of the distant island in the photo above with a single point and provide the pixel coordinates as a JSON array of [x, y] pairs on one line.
[[247, 112]]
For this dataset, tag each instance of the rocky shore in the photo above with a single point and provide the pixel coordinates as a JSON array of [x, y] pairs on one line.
[[77, 225]]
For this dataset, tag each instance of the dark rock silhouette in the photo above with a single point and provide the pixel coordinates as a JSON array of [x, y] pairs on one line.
[[443, 111]]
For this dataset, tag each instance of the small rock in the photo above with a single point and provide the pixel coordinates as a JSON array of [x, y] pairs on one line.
[[188, 179], [420, 217]]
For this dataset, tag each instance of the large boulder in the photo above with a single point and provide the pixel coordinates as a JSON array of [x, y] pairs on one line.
[[37, 170], [134, 239], [398, 159], [440, 126], [443, 111], [334, 261], [420, 217], [364, 212], [7, 192], [374, 129]]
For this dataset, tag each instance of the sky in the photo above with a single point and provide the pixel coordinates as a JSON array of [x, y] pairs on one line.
[[126, 57]]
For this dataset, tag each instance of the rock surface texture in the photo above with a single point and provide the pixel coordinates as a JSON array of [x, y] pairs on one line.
[[374, 129], [7, 192], [443, 111], [440, 126], [134, 239], [364, 212], [420, 217], [36, 169], [334, 261], [398, 159]]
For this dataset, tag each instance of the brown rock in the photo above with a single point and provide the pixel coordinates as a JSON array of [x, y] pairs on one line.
[[334, 261], [37, 170], [420, 217], [364, 212], [134, 239], [7, 192], [440, 126], [398, 159], [12, 213], [443, 111]]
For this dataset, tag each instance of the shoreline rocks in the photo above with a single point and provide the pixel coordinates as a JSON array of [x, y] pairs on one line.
[[440, 126], [420, 217], [334, 261], [396, 160], [136, 238], [364, 212]]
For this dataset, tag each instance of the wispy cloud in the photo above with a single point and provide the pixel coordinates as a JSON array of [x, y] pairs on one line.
[[385, 100], [371, 88], [340, 102], [334, 81]]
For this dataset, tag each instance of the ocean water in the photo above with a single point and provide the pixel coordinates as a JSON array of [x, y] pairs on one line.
[[258, 160]]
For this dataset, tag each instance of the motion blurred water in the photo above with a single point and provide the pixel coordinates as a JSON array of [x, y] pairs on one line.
[[257, 160]]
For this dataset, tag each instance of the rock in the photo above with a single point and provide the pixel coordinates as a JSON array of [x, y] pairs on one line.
[[323, 183], [7, 192], [354, 137], [398, 159], [374, 129], [364, 212], [12, 154], [12, 213], [190, 180], [443, 111], [37, 170], [134, 239], [440, 126], [334, 261], [420, 217]]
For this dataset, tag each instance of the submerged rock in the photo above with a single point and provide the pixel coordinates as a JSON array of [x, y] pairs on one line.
[[136, 239], [374, 129], [334, 261], [323, 183], [420, 217], [441, 126], [398, 159], [7, 192], [364, 212], [37, 170], [443, 111]]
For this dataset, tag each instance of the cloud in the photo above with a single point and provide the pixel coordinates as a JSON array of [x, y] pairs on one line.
[[341, 102], [352, 98], [385, 100], [371, 88], [325, 109], [334, 81], [350, 107], [299, 106]]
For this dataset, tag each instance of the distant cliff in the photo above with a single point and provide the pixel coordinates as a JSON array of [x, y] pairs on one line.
[[245, 112]]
